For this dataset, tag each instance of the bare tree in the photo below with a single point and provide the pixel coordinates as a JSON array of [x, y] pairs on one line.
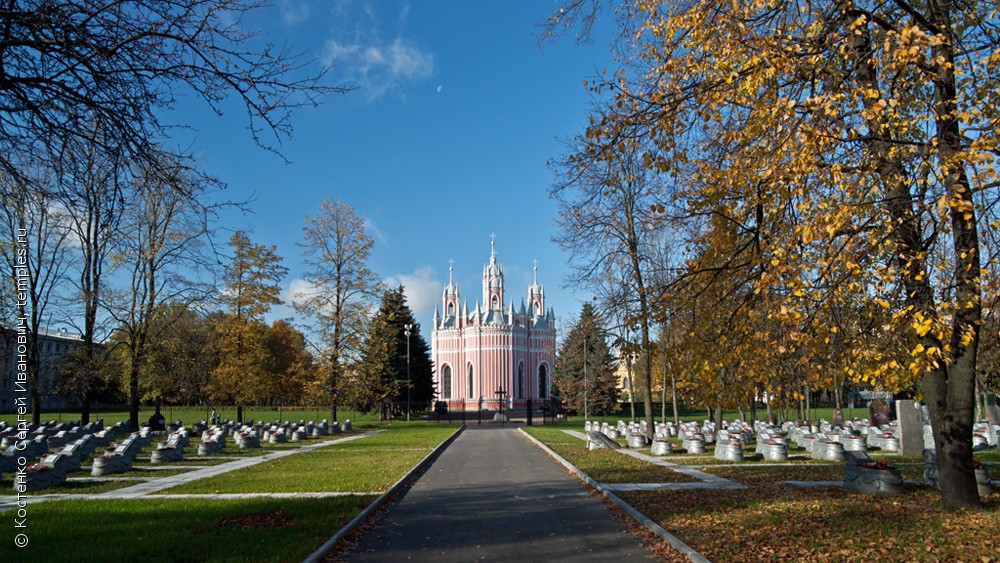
[[35, 258], [92, 188], [342, 288], [170, 230], [608, 220], [71, 68]]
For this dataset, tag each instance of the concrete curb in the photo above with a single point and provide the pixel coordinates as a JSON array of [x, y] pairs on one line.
[[321, 553], [673, 540]]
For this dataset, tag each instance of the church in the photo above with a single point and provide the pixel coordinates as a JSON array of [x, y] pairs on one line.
[[494, 347]]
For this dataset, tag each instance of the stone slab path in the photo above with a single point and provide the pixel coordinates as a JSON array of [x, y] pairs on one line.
[[492, 495]]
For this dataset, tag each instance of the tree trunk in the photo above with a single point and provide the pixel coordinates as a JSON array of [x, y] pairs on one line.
[[663, 393], [631, 390], [673, 399], [36, 406], [978, 395], [948, 384], [647, 382], [133, 396], [334, 368], [85, 409], [950, 389], [718, 423], [808, 394]]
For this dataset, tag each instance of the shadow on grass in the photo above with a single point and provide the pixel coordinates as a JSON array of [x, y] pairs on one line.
[[183, 529], [72, 487]]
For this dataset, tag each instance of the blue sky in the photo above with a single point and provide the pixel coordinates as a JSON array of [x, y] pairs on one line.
[[444, 141]]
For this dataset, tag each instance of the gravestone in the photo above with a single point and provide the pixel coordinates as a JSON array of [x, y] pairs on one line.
[[838, 418], [863, 475], [878, 412], [157, 422], [993, 414], [598, 440], [911, 428]]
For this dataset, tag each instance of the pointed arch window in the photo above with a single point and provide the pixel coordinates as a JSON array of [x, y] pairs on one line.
[[542, 381], [520, 380], [446, 382], [470, 387]]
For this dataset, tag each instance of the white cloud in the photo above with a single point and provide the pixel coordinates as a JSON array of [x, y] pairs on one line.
[[298, 292], [373, 229], [380, 68], [294, 12], [422, 290], [377, 65]]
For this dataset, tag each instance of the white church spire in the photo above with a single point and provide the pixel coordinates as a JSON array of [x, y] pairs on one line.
[[493, 298], [536, 295]]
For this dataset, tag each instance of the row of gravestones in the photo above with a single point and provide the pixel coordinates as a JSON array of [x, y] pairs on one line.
[[824, 441], [52, 468], [861, 474], [74, 442], [248, 435]]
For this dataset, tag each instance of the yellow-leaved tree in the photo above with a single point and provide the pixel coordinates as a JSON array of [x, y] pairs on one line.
[[251, 287], [861, 138]]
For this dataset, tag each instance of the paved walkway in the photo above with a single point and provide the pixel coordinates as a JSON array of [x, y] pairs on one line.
[[493, 496]]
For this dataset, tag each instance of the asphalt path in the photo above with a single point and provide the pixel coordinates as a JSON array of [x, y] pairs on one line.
[[493, 496]]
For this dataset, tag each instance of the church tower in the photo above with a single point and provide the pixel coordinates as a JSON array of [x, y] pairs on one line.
[[493, 281], [536, 296], [449, 299]]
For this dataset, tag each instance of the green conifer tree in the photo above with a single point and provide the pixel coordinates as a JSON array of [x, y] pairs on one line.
[[585, 363], [383, 374]]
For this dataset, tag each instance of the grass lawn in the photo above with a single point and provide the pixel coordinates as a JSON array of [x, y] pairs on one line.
[[183, 529], [367, 464], [605, 466], [260, 529], [73, 487]]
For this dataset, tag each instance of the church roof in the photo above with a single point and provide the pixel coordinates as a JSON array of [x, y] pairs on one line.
[[493, 312]]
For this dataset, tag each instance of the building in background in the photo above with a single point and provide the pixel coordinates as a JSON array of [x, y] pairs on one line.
[[495, 351], [53, 346]]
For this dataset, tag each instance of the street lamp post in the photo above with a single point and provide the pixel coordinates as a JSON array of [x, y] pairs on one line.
[[500, 393], [409, 327], [586, 415]]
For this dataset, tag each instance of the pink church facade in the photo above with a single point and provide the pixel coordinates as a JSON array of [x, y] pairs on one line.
[[494, 347]]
